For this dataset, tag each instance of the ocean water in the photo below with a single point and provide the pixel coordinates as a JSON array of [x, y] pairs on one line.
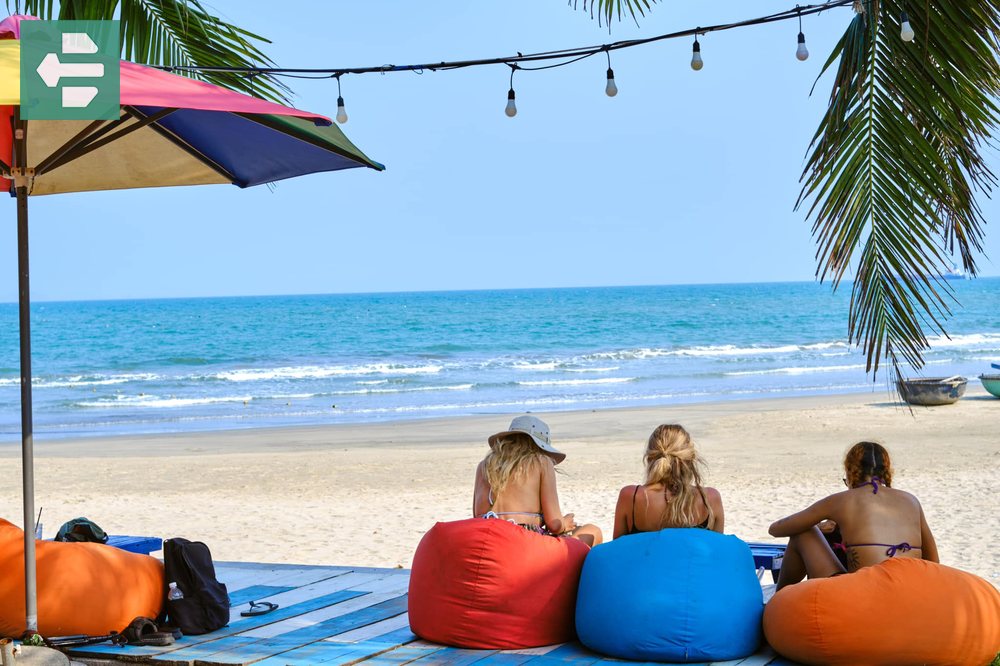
[[151, 366]]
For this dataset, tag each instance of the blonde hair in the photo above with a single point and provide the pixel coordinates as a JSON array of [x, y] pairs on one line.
[[509, 457], [672, 460], [867, 460]]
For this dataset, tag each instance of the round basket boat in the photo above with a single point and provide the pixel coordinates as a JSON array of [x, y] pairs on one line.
[[991, 383], [930, 391]]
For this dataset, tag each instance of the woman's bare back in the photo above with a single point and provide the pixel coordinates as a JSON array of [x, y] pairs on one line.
[[641, 509], [520, 500], [878, 525]]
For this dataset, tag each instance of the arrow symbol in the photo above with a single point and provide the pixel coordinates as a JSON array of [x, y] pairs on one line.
[[51, 70]]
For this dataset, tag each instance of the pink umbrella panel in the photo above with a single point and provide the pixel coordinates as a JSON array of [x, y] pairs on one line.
[[176, 131]]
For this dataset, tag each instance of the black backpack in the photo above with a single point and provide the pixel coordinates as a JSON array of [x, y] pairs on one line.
[[205, 606]]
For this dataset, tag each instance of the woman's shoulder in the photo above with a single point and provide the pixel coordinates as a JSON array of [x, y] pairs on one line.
[[713, 498], [542, 461], [906, 496], [628, 492]]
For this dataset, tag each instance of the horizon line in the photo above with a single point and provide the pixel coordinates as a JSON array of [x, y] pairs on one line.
[[446, 291]]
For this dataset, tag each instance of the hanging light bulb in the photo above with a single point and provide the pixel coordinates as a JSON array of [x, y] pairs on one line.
[[696, 62], [611, 89], [905, 31], [802, 53], [511, 109], [341, 111]]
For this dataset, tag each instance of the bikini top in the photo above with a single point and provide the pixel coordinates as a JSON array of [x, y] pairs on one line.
[[891, 549], [632, 528]]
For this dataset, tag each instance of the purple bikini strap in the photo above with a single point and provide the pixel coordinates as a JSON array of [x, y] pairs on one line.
[[901, 547], [890, 551], [875, 481]]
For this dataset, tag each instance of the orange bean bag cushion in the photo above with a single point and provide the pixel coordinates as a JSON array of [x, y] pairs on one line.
[[902, 611], [490, 584], [83, 588]]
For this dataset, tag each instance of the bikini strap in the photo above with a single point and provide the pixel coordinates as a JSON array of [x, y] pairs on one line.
[[634, 493], [497, 514], [875, 481], [711, 514], [901, 547], [891, 549]]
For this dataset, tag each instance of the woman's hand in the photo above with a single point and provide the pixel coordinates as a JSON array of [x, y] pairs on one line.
[[827, 526], [568, 523]]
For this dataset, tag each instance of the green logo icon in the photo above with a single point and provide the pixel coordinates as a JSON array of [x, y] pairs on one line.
[[69, 70]]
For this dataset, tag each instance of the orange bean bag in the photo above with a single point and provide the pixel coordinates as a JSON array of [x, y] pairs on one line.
[[902, 611], [83, 588], [490, 584]]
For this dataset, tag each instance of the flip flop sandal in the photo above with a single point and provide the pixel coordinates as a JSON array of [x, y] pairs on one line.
[[143, 631], [259, 608], [175, 631]]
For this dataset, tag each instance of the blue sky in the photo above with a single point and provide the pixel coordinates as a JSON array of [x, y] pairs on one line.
[[684, 177]]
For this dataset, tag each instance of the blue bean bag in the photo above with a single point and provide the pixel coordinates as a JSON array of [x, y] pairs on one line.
[[676, 595]]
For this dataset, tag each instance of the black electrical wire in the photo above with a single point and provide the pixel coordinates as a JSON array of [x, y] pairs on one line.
[[566, 56]]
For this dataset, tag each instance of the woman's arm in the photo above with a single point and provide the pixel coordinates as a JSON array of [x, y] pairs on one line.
[[622, 510], [928, 546], [800, 522], [554, 520], [480, 493], [714, 498]]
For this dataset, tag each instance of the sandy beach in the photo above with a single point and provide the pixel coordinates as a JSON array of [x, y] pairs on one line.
[[364, 494]]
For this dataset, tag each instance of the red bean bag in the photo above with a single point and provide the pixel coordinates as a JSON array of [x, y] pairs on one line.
[[902, 611], [490, 584], [83, 588]]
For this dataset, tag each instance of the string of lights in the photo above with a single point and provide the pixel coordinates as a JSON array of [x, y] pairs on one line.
[[558, 58]]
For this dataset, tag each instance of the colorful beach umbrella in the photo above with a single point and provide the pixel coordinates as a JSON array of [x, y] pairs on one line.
[[171, 131]]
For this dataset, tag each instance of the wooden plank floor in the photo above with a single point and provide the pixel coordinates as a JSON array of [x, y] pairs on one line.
[[337, 616]]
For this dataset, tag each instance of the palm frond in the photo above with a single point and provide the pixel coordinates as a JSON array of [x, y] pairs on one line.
[[607, 10], [896, 164], [174, 32]]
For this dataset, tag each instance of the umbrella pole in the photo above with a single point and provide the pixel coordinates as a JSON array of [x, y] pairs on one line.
[[27, 435]]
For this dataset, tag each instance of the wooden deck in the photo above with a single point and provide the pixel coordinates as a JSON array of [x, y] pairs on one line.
[[334, 616]]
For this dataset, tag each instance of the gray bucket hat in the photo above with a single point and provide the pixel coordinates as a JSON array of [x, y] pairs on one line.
[[537, 430]]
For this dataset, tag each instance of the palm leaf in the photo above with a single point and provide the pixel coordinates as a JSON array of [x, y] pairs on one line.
[[172, 33], [896, 164], [607, 10]]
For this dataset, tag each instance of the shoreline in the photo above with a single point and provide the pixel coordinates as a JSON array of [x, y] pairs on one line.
[[364, 494], [456, 430], [7, 440]]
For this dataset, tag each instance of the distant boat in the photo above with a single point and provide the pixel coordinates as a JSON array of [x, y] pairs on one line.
[[932, 391], [992, 382], [955, 273]]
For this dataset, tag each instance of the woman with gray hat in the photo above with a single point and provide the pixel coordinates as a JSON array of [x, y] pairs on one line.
[[516, 481]]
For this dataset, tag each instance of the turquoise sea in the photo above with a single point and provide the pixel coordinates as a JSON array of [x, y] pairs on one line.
[[151, 366]]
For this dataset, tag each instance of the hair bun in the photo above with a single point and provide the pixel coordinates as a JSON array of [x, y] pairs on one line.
[[685, 454]]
